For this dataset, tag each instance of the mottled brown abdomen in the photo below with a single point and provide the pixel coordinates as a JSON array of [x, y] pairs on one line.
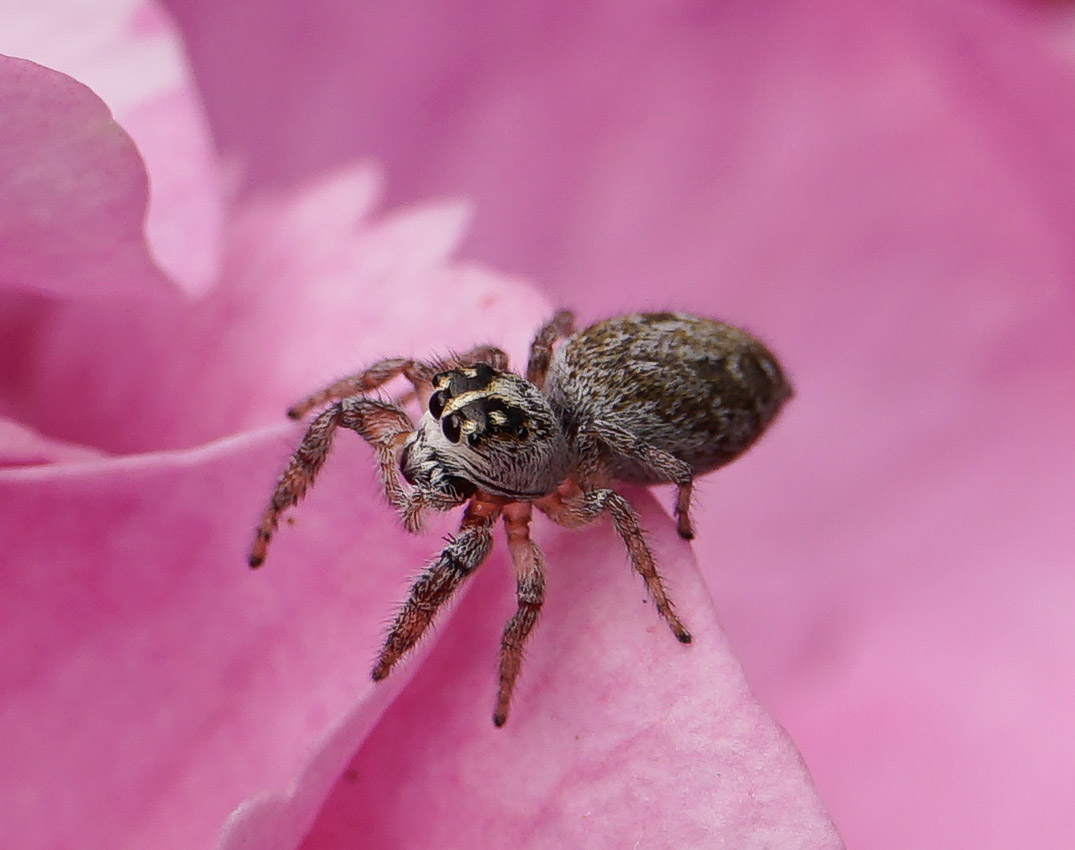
[[698, 389]]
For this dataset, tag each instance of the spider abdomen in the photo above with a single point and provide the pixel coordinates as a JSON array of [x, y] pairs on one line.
[[700, 390]]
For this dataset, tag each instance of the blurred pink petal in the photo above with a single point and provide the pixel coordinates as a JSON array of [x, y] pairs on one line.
[[73, 190], [312, 288], [127, 52], [884, 193], [22, 446]]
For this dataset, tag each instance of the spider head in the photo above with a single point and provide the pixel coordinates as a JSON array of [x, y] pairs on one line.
[[484, 429]]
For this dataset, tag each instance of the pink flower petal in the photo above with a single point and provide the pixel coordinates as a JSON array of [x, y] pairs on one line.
[[619, 735], [73, 189], [158, 682], [20, 446], [181, 684], [314, 287], [128, 52]]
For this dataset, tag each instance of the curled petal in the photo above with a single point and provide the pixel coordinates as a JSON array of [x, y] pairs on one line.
[[73, 190], [128, 52]]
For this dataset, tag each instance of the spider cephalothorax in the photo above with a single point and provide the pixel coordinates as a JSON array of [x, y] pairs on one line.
[[655, 397], [490, 428]]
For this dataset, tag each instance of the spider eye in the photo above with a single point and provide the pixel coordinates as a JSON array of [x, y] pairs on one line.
[[436, 404], [450, 426]]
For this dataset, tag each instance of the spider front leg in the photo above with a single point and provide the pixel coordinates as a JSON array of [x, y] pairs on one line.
[[464, 553], [382, 425], [418, 373], [530, 592], [571, 507]]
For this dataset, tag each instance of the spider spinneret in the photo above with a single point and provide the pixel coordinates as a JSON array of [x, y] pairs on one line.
[[643, 399]]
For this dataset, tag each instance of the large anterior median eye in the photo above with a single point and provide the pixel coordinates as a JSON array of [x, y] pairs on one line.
[[450, 426], [436, 404]]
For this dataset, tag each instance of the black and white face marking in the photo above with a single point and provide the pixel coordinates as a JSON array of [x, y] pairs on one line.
[[489, 428]]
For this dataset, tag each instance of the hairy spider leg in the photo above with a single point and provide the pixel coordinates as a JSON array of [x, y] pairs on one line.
[[572, 507], [382, 424], [488, 354], [418, 372], [529, 566], [464, 553], [656, 462], [560, 325]]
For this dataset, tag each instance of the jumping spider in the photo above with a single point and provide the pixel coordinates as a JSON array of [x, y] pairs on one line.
[[642, 399]]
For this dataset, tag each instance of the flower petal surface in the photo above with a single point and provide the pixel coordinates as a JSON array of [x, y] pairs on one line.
[[128, 53], [74, 190]]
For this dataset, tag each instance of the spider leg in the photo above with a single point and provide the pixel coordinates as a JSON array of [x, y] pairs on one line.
[[572, 507], [656, 462], [530, 592], [560, 325], [682, 510], [380, 423], [418, 373], [463, 554], [489, 354]]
